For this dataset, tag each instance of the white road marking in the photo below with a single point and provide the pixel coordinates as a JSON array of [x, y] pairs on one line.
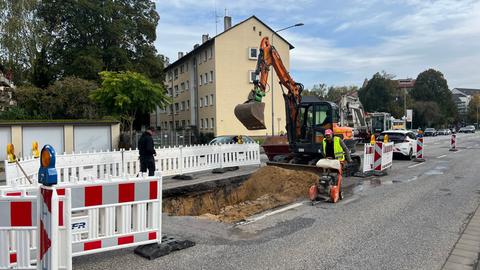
[[411, 166], [441, 156], [286, 208]]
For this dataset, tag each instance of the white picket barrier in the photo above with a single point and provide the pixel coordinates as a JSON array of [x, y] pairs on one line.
[[77, 167], [77, 219], [368, 156]]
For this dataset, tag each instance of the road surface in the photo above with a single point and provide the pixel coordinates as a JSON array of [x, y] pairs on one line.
[[409, 219]]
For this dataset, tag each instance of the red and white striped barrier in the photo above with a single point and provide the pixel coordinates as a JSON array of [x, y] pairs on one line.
[[77, 219], [453, 143], [18, 231], [419, 150], [377, 157], [368, 157]]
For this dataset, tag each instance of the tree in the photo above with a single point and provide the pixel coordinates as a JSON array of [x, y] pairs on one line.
[[89, 36], [318, 90], [78, 90], [426, 114], [335, 93], [65, 99], [20, 37], [127, 93], [431, 85], [474, 109], [378, 93]]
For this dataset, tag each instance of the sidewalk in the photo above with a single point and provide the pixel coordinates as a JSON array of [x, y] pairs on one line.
[[465, 253]]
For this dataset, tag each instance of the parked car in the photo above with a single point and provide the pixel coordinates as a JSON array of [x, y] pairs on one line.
[[231, 139], [467, 129], [404, 141], [430, 132], [444, 132]]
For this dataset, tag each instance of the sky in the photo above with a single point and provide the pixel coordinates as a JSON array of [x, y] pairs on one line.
[[343, 42]]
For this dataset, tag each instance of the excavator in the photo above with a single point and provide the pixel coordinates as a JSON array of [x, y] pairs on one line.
[[307, 119]]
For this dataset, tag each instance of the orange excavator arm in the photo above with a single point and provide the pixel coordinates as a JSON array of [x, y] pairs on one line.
[[251, 112]]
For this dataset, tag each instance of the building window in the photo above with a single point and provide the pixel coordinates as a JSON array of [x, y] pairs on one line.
[[176, 108], [175, 72], [201, 123], [176, 90], [183, 123], [188, 104], [170, 75], [213, 123], [181, 69], [182, 87], [252, 76], [211, 76], [187, 86], [211, 100], [182, 106], [177, 124], [201, 79], [205, 56], [201, 102], [206, 78], [252, 53], [206, 101], [211, 52], [186, 67], [170, 91]]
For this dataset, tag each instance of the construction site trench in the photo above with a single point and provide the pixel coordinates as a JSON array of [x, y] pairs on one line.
[[267, 188]]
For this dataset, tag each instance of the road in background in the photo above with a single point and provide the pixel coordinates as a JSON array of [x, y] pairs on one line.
[[409, 219]]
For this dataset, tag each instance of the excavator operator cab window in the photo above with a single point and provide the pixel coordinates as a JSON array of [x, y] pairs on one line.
[[307, 121]]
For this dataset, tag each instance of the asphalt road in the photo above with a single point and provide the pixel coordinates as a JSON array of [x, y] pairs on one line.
[[409, 219]]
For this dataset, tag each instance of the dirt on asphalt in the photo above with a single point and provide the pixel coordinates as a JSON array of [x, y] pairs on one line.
[[267, 188]]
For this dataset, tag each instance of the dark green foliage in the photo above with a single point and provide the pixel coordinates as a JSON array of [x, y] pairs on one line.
[[378, 94]]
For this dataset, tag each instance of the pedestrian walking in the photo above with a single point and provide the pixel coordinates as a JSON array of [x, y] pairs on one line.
[[147, 151]]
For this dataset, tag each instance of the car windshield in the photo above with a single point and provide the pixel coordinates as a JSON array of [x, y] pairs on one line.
[[430, 129], [394, 137], [223, 139]]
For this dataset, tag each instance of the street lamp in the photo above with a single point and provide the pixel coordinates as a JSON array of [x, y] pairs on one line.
[[271, 85]]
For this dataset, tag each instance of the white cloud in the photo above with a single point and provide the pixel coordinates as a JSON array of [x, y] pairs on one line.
[[449, 44]]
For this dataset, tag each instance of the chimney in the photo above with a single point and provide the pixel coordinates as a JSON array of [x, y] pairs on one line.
[[180, 55], [204, 38], [227, 22]]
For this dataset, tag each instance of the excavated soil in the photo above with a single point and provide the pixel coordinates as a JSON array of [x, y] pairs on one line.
[[267, 188]]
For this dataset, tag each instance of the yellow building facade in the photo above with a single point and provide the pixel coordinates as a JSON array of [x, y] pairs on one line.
[[208, 82]]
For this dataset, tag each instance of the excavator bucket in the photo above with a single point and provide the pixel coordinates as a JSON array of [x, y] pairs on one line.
[[251, 114]]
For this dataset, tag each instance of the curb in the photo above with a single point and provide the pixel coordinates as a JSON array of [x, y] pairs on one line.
[[465, 253]]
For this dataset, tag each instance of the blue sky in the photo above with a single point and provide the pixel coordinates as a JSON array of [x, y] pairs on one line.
[[343, 42]]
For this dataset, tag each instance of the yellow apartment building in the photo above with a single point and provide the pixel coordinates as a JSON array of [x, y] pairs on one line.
[[208, 82]]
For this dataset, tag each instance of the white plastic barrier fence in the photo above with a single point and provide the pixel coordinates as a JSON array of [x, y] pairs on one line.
[[18, 230], [77, 219], [170, 161], [387, 155], [368, 153]]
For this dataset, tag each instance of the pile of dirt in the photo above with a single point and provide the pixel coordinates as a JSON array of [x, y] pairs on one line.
[[267, 188]]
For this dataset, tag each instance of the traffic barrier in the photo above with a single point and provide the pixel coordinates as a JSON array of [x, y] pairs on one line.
[[18, 230], [77, 219], [78, 167], [453, 143], [368, 157], [419, 150], [383, 157]]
